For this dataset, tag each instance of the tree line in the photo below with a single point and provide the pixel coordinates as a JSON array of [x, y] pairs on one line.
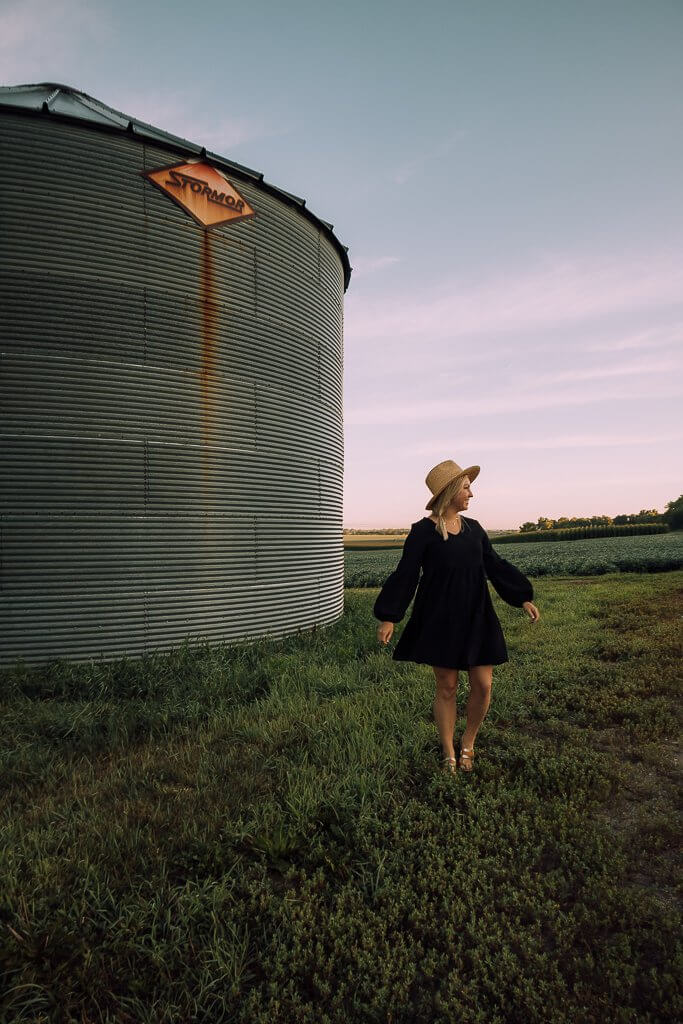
[[672, 517]]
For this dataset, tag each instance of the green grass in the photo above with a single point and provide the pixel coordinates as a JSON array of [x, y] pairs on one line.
[[592, 557], [262, 833]]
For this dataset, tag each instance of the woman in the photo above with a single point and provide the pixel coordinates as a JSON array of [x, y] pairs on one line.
[[453, 624]]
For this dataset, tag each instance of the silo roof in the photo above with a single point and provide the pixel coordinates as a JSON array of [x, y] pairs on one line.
[[64, 101]]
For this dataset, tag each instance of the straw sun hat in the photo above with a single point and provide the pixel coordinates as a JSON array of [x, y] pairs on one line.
[[441, 476]]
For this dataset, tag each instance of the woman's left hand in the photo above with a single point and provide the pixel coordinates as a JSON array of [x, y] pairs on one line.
[[531, 610]]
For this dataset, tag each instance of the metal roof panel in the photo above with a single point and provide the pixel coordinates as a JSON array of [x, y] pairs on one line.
[[65, 101]]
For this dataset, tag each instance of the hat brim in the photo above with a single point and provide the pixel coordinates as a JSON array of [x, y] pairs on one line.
[[472, 472]]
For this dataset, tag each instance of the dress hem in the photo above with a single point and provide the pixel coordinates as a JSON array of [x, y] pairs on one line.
[[460, 668]]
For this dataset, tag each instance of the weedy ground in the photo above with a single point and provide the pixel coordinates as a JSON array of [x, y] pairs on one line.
[[262, 833]]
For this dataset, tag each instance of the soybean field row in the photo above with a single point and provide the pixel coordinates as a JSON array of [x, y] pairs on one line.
[[592, 557]]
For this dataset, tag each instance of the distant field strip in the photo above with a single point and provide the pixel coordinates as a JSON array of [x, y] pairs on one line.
[[649, 553], [368, 541]]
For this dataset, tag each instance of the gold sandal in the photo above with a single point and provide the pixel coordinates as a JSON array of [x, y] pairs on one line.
[[466, 755], [449, 765]]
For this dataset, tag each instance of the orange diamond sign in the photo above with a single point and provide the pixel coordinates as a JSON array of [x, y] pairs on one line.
[[202, 191]]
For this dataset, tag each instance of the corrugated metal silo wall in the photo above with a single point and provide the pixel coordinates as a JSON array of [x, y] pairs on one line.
[[172, 458]]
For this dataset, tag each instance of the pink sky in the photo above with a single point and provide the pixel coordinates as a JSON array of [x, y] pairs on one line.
[[507, 178], [563, 382]]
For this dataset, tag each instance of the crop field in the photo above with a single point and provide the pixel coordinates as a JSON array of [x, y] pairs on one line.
[[260, 834], [379, 540], [593, 557], [393, 539], [374, 540]]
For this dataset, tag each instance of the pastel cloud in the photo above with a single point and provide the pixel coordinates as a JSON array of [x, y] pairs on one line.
[[38, 39], [180, 113], [417, 164], [570, 441], [564, 291], [363, 267], [664, 336], [639, 368], [456, 408]]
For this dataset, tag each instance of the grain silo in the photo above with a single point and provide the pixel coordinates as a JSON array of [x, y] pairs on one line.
[[171, 381]]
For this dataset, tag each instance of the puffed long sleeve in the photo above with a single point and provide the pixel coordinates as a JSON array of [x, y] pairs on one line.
[[509, 583], [399, 588]]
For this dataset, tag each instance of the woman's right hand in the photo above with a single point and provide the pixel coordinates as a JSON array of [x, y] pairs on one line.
[[384, 632]]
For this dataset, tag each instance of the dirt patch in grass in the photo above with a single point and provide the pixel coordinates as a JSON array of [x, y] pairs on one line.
[[643, 814]]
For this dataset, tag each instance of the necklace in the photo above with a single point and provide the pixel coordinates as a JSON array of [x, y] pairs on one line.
[[458, 523]]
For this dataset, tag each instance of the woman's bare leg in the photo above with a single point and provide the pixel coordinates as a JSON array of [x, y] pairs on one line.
[[445, 706], [481, 681]]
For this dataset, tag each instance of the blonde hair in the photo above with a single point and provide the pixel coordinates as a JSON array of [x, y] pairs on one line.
[[443, 501]]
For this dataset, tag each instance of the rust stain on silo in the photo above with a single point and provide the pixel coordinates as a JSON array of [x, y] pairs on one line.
[[209, 319]]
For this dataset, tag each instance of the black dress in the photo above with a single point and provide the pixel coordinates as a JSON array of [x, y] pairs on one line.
[[453, 623]]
